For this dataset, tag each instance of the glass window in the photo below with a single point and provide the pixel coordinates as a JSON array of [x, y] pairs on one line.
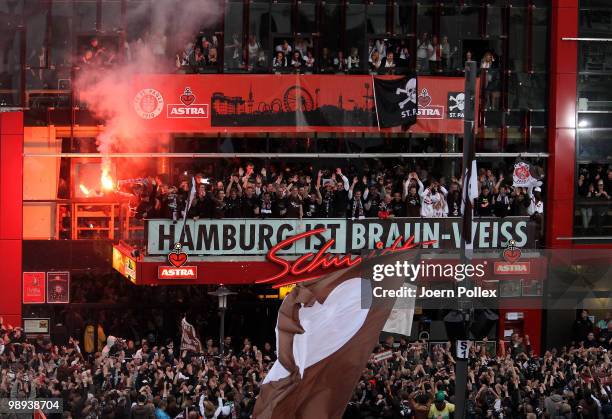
[[469, 22], [111, 15], [596, 119], [595, 57], [259, 24], [281, 18], [329, 27], [540, 39], [424, 20], [60, 54], [596, 23], [403, 16], [424, 48], [449, 32], [233, 37], [593, 207], [594, 144], [494, 21], [37, 33], [10, 18], [376, 18], [527, 91], [355, 26], [595, 92], [538, 139], [517, 39], [594, 3], [138, 13], [85, 16], [10, 80], [306, 17]]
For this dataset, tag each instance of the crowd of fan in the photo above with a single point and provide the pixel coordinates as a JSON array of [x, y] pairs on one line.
[[384, 56], [594, 187], [124, 379], [302, 192]]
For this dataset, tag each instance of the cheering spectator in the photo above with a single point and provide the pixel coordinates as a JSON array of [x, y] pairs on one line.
[[284, 47], [279, 62], [253, 49], [484, 204], [435, 59], [375, 62], [389, 64], [326, 62], [340, 62], [353, 60], [296, 60], [309, 62], [424, 53], [582, 327]]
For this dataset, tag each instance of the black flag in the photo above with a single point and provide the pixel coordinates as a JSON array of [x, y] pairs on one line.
[[396, 101]]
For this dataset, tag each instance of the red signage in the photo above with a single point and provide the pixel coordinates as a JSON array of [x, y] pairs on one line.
[[512, 266], [184, 272], [285, 103], [34, 288], [310, 262], [177, 259], [517, 268], [188, 108]]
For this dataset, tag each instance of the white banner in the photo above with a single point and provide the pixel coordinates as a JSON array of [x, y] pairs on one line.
[[257, 237]]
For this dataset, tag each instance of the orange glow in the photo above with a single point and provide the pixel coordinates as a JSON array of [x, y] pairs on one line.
[[84, 189], [106, 180]]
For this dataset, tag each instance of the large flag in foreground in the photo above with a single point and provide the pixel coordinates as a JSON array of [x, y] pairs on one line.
[[324, 339], [396, 101], [189, 339]]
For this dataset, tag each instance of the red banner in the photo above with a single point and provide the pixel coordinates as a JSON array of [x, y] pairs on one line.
[[34, 288], [285, 103]]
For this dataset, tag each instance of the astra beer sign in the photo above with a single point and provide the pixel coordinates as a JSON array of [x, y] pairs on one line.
[[255, 237]]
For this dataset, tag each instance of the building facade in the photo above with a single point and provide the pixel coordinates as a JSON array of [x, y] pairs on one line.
[[542, 99]]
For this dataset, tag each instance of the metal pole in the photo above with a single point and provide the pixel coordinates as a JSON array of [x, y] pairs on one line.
[[222, 333], [282, 155], [461, 368]]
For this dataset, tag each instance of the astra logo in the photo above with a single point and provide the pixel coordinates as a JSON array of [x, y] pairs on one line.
[[185, 272], [433, 112], [177, 259], [188, 108], [512, 265], [426, 109]]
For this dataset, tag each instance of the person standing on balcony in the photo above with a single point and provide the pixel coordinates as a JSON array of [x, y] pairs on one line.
[[356, 205], [294, 204], [424, 52], [435, 59]]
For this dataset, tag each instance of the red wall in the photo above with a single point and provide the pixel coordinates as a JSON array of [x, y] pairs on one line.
[[531, 325], [11, 184], [562, 123]]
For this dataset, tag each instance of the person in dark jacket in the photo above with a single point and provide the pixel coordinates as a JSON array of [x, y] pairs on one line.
[[582, 327], [142, 409], [484, 203]]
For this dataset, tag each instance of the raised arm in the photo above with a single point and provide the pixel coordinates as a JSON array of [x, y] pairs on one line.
[[352, 188], [345, 180], [421, 187], [229, 185]]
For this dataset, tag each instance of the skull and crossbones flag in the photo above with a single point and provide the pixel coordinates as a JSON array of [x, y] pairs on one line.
[[396, 101]]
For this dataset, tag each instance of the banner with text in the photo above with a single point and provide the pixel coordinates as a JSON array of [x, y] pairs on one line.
[[257, 237], [287, 103]]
